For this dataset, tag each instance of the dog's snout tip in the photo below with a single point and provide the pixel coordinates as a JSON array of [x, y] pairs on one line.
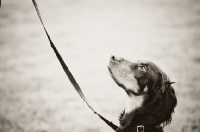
[[115, 58]]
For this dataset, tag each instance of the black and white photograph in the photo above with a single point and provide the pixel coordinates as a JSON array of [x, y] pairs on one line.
[[99, 65]]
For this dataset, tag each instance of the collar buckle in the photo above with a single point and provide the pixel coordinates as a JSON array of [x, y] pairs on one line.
[[140, 128]]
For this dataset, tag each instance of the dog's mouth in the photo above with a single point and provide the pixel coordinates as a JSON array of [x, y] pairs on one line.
[[109, 69], [116, 81]]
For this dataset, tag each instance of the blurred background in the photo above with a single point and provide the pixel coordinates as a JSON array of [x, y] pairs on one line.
[[36, 95]]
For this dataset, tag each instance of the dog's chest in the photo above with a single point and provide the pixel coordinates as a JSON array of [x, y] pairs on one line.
[[133, 102]]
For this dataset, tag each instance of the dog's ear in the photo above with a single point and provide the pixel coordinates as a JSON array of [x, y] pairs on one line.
[[165, 93], [163, 82], [156, 79]]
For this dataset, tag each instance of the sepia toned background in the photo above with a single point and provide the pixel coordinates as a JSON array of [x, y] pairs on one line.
[[36, 95]]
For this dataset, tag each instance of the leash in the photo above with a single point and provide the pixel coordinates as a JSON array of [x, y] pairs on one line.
[[69, 74]]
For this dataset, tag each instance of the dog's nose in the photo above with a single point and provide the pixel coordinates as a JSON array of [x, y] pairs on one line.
[[115, 58]]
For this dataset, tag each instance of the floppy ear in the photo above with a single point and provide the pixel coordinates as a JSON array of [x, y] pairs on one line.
[[165, 95], [163, 82], [163, 100], [158, 79]]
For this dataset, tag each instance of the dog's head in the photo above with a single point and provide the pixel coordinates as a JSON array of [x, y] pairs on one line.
[[145, 78], [134, 77]]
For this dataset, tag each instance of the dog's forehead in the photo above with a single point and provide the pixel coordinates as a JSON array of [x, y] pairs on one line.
[[144, 62], [150, 64]]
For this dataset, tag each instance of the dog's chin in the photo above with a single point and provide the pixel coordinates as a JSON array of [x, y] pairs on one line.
[[129, 88], [109, 69], [128, 91], [115, 79]]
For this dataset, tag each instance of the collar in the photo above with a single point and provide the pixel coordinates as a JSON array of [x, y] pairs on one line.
[[140, 128], [145, 128]]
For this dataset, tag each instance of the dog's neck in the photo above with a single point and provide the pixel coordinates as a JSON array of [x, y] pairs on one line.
[[133, 102]]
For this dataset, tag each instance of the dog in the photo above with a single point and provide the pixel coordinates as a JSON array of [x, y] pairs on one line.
[[151, 98]]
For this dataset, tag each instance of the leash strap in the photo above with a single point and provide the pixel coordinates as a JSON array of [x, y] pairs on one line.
[[69, 74]]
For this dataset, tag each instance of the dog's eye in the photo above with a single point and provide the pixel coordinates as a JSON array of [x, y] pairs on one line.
[[142, 68]]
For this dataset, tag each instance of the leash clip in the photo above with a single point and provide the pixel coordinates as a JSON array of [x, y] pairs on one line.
[[140, 128]]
